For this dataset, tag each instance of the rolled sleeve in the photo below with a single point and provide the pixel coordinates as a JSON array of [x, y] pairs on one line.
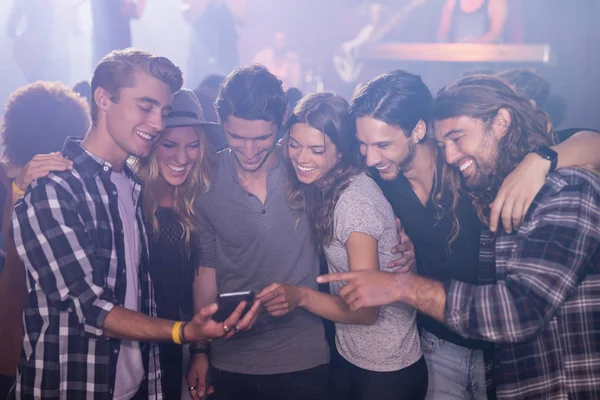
[[59, 255]]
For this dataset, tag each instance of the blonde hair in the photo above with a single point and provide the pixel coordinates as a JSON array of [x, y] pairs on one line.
[[197, 182]]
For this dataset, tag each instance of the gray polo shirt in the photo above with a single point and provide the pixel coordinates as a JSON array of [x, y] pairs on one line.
[[252, 245]]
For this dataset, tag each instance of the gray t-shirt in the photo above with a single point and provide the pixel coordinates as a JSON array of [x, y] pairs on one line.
[[253, 245], [130, 368], [392, 342]]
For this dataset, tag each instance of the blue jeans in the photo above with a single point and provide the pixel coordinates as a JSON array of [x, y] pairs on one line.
[[455, 372]]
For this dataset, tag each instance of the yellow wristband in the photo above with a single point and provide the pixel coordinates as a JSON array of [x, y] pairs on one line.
[[16, 189], [176, 333]]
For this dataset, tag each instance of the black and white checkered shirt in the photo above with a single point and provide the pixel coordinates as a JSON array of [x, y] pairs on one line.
[[543, 312], [68, 232]]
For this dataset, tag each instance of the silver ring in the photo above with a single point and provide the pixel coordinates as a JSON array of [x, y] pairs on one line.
[[226, 328], [190, 388]]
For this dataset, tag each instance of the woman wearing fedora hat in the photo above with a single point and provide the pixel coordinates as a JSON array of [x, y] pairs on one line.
[[174, 174]]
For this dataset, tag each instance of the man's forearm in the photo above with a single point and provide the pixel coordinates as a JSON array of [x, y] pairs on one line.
[[426, 295], [579, 150], [126, 324]]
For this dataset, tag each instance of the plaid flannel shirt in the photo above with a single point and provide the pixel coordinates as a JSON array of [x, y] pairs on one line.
[[543, 312], [68, 232]]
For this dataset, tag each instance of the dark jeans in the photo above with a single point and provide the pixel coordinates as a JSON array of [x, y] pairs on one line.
[[171, 364], [6, 384], [409, 383], [310, 384]]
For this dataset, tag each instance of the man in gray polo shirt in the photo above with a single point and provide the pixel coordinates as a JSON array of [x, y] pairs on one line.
[[250, 239]]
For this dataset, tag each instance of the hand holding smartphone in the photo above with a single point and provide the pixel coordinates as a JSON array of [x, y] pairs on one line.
[[228, 302]]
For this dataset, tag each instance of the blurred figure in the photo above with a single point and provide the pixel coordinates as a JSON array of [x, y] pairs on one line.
[[207, 97], [212, 81], [557, 107], [214, 40], [472, 21], [37, 120], [111, 20], [84, 90], [293, 96], [280, 61], [478, 70], [40, 30], [528, 83]]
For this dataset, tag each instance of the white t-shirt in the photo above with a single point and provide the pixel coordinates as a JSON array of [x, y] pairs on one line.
[[130, 368], [392, 342]]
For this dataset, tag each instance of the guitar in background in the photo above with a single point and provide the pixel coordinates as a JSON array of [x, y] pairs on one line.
[[346, 60]]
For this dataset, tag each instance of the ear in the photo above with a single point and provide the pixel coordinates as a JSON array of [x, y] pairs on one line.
[[501, 123], [102, 98], [419, 132]]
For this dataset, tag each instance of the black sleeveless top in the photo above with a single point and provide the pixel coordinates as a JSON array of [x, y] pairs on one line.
[[172, 267], [469, 26]]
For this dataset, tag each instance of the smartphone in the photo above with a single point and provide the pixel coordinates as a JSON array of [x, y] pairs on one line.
[[229, 301]]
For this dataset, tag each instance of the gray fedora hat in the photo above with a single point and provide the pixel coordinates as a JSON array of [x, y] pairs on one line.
[[187, 111]]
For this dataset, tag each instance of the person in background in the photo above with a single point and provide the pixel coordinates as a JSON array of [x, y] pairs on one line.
[[281, 61], [212, 81], [33, 131], [214, 37], [84, 90], [40, 30], [111, 25], [528, 83], [293, 96], [472, 21], [174, 174], [355, 226]]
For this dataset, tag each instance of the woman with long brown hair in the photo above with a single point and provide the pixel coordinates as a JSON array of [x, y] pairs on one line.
[[355, 226], [174, 174]]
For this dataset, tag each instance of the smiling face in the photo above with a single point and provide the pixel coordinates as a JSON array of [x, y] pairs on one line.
[[176, 154], [471, 147], [311, 152], [250, 140], [386, 147], [134, 120]]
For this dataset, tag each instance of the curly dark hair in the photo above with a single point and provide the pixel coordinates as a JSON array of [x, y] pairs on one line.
[[327, 113], [481, 97], [116, 70], [38, 118]]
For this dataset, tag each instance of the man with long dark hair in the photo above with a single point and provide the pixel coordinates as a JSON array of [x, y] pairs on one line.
[[539, 308]]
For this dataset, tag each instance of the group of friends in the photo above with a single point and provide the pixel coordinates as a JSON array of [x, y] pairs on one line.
[[461, 235]]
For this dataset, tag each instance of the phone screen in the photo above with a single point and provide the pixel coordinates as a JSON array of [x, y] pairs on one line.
[[229, 301]]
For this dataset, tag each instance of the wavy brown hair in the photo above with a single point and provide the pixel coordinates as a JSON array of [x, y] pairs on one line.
[[481, 97], [196, 183], [327, 113]]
